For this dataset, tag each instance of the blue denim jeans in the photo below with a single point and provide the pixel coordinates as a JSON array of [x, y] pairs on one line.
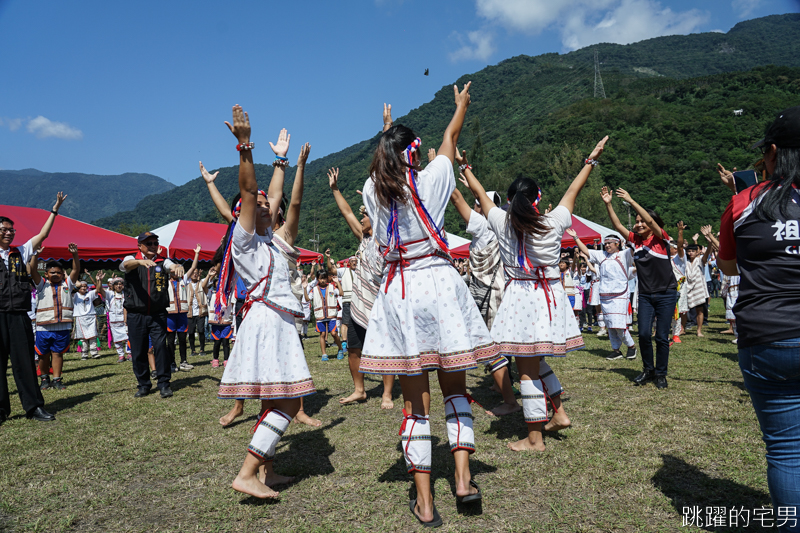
[[658, 306], [772, 376]]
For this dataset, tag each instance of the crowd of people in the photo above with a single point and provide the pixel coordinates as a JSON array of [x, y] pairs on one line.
[[401, 307]]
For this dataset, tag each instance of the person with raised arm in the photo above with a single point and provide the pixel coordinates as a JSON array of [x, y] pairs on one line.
[[365, 286], [221, 321], [54, 317], [16, 335], [678, 260], [657, 286], [85, 317], [614, 263], [267, 361], [424, 317], [284, 233], [178, 313], [535, 319], [116, 315]]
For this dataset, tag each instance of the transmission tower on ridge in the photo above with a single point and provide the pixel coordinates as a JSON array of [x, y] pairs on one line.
[[599, 92]]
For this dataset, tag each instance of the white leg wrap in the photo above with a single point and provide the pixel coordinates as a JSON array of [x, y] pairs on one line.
[[615, 336], [120, 346], [416, 443], [269, 431], [626, 338], [549, 380], [534, 406], [600, 320], [458, 415]]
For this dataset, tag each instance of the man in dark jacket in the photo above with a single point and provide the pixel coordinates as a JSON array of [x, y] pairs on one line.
[[146, 301]]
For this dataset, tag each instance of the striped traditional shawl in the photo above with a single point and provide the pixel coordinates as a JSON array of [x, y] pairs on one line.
[[696, 282], [483, 264]]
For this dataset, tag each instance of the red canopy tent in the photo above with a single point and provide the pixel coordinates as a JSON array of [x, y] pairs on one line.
[[95, 245], [586, 234], [180, 237]]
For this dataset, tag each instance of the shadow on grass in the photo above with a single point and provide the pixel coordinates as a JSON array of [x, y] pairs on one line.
[[62, 404], [307, 453], [314, 403], [89, 379], [192, 382], [687, 487]]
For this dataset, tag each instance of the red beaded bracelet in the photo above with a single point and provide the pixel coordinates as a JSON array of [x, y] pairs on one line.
[[245, 146]]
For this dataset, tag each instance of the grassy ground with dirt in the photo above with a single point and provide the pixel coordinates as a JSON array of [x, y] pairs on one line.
[[633, 459]]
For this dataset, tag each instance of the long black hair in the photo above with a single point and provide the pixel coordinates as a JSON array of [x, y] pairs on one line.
[[777, 193], [220, 253], [388, 166], [522, 214]]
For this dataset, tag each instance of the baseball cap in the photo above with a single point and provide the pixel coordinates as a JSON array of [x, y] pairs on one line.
[[784, 132], [146, 235]]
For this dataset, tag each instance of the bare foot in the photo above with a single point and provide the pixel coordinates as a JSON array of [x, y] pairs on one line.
[[232, 414], [494, 388], [682, 332], [274, 480], [526, 445], [303, 418], [353, 398], [253, 487], [700, 335], [504, 409], [465, 489], [558, 422], [726, 332], [386, 403]]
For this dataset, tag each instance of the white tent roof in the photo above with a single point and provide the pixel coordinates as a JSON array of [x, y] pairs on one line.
[[454, 241], [602, 230], [166, 234]]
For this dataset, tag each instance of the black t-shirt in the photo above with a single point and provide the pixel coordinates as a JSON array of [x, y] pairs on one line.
[[653, 267], [768, 257]]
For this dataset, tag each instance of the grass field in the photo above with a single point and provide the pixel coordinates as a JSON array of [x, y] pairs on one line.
[[633, 459]]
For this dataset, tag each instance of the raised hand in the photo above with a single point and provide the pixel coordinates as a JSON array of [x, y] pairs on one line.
[[572, 233], [695, 237], [282, 146], [333, 176], [328, 253], [462, 98], [304, 151], [100, 275], [38, 251], [160, 249], [387, 115], [622, 193], [681, 225], [60, 197], [431, 154], [207, 175], [605, 194], [598, 149], [197, 249], [726, 176], [241, 125], [73, 248], [463, 179], [460, 156], [549, 208], [360, 192], [705, 230]]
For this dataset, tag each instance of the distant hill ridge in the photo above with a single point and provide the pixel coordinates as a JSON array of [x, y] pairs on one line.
[[667, 110], [33, 188]]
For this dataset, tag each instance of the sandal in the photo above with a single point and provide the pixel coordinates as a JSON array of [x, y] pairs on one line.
[[470, 498], [437, 520]]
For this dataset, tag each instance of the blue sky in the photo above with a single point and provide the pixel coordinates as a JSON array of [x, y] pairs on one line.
[[113, 87]]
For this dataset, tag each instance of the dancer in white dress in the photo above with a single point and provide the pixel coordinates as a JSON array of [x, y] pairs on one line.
[[116, 314], [535, 318], [614, 264], [424, 317], [267, 361], [86, 319]]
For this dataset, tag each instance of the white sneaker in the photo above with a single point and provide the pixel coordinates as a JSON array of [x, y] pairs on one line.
[[186, 366], [602, 333]]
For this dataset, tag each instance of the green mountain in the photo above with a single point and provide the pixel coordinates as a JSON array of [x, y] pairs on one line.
[[668, 110], [89, 196]]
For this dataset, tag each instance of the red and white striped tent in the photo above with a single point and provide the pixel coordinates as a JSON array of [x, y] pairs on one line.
[[179, 239]]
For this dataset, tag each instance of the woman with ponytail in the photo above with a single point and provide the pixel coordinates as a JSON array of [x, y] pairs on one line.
[[535, 319], [423, 318], [267, 361]]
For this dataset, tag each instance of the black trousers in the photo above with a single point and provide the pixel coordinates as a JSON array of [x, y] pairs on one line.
[[141, 329], [197, 323], [16, 343], [171, 344]]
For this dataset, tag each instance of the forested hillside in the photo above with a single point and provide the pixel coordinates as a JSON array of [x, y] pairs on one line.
[[669, 124], [89, 196]]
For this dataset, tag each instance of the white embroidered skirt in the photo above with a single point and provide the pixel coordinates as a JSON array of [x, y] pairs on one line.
[[594, 293], [527, 326], [119, 332], [436, 326], [730, 301], [616, 311], [85, 327], [267, 362]]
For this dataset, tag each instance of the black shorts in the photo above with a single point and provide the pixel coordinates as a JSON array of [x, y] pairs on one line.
[[355, 336], [346, 320]]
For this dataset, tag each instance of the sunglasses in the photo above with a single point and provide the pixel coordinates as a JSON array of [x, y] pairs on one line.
[[150, 243]]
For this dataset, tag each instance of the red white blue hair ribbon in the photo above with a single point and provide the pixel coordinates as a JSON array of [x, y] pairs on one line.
[[522, 254]]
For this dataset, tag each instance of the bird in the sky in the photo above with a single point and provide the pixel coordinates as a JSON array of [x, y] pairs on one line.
[[426, 72]]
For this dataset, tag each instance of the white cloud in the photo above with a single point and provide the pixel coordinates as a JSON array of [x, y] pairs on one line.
[[744, 8], [585, 22], [44, 127], [12, 124], [479, 45]]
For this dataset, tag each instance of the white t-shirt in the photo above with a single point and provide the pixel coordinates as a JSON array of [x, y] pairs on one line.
[[40, 288], [82, 304], [26, 251], [435, 185], [482, 235], [679, 263], [542, 250], [194, 303]]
